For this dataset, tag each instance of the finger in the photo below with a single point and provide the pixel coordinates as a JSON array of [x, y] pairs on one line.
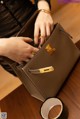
[[32, 49], [27, 60], [36, 34], [52, 26], [35, 50], [29, 56], [43, 34], [48, 29], [27, 39]]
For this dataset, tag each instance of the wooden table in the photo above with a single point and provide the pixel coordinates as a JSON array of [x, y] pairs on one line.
[[20, 105]]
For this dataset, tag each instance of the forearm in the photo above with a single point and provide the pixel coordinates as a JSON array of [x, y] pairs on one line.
[[43, 4]]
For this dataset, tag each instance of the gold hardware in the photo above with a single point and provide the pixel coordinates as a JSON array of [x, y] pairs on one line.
[[42, 70], [46, 69], [49, 49]]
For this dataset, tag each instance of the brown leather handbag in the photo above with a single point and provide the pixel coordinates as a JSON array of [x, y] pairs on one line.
[[45, 73]]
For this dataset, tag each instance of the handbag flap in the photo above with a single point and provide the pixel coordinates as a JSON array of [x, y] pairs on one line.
[[58, 52]]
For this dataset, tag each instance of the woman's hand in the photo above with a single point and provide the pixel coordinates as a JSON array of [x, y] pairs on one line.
[[44, 23], [17, 48], [43, 27]]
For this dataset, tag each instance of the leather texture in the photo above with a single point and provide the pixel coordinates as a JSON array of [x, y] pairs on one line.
[[62, 59]]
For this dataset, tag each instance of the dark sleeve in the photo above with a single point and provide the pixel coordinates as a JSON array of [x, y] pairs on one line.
[[5, 65], [36, 1], [8, 69]]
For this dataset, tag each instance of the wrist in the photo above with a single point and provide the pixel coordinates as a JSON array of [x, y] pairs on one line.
[[46, 11], [42, 4]]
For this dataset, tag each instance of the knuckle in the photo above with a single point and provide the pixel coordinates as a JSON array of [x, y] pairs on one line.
[[42, 35], [30, 49], [35, 35], [36, 24]]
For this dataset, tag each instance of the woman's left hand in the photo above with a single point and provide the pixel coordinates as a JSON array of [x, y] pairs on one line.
[[43, 27]]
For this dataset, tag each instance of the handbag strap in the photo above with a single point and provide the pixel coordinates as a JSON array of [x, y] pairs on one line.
[[41, 70]]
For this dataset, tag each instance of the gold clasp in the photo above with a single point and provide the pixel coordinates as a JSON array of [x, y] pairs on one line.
[[49, 49], [46, 69], [42, 70]]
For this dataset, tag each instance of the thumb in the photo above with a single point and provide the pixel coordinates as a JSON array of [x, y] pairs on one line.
[[27, 39], [35, 50]]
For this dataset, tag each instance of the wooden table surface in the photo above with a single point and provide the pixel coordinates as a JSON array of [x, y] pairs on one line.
[[20, 105]]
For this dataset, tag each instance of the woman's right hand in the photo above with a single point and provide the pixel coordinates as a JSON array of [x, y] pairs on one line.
[[17, 48]]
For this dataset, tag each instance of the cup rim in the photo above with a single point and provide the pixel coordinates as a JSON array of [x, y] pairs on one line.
[[55, 102]]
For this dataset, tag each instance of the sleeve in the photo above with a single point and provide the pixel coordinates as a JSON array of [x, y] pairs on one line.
[[36, 1], [4, 64], [8, 69]]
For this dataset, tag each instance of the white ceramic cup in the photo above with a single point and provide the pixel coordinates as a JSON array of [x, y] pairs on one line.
[[50, 104]]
